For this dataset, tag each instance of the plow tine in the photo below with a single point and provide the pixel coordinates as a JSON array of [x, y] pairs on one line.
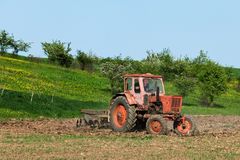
[[94, 118]]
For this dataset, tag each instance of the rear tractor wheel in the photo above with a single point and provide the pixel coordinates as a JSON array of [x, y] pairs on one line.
[[156, 125], [123, 117], [184, 127]]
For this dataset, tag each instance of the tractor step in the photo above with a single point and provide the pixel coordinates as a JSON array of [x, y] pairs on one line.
[[94, 118]]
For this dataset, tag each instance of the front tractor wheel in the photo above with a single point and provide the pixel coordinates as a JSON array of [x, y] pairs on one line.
[[156, 125], [122, 115], [184, 127]]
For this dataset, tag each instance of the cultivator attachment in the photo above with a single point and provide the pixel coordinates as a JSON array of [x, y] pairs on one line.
[[94, 118]]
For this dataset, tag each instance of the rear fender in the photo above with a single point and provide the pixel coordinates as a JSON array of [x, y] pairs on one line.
[[129, 97]]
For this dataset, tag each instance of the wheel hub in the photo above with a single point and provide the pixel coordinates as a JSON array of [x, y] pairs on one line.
[[155, 126], [120, 116], [185, 127]]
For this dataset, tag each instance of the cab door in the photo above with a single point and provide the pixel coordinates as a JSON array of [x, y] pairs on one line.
[[137, 91]]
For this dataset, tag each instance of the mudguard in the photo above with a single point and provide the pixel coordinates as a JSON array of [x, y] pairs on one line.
[[128, 95]]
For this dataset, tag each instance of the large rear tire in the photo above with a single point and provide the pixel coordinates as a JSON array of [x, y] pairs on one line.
[[184, 128], [123, 117], [156, 125]]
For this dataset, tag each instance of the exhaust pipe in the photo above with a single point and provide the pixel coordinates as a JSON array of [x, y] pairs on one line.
[[158, 103]]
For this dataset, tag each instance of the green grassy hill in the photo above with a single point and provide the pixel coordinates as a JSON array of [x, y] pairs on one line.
[[57, 92], [60, 93]]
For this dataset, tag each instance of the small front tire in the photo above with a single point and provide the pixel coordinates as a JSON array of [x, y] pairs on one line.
[[156, 125], [184, 127]]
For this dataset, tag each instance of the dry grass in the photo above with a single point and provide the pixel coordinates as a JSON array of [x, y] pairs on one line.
[[124, 146], [58, 139]]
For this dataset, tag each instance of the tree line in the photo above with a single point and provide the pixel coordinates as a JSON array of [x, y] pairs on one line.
[[188, 75]]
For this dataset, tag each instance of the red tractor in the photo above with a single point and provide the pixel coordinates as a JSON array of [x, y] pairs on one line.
[[142, 102]]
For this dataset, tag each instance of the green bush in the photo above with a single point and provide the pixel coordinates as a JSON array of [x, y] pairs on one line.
[[58, 52], [86, 61], [238, 84], [212, 82]]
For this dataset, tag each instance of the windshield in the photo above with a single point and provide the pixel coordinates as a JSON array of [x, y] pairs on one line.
[[150, 85]]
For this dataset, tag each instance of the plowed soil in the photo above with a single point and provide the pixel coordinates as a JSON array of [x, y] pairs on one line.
[[205, 124], [219, 138]]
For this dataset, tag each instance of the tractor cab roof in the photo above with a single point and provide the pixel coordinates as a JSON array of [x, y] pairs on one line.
[[147, 75]]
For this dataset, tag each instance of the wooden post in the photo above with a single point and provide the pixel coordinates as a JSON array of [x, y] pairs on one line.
[[32, 96], [2, 92], [52, 98]]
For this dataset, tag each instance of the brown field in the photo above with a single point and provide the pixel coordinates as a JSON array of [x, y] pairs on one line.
[[219, 138]]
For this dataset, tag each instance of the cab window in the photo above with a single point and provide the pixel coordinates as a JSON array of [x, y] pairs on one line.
[[136, 86], [150, 85], [129, 83]]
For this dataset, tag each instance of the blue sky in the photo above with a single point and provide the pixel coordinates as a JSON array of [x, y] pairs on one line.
[[129, 27]]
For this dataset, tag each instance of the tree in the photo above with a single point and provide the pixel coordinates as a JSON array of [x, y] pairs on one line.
[[184, 81], [5, 41], [8, 42], [20, 45], [114, 72], [201, 60], [185, 85], [58, 52], [160, 63], [85, 60], [212, 82], [211, 78]]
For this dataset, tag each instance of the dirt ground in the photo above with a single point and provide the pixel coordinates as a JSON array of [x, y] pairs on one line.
[[205, 124], [219, 138]]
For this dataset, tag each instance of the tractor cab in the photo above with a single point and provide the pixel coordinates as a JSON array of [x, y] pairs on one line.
[[142, 86], [147, 92]]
